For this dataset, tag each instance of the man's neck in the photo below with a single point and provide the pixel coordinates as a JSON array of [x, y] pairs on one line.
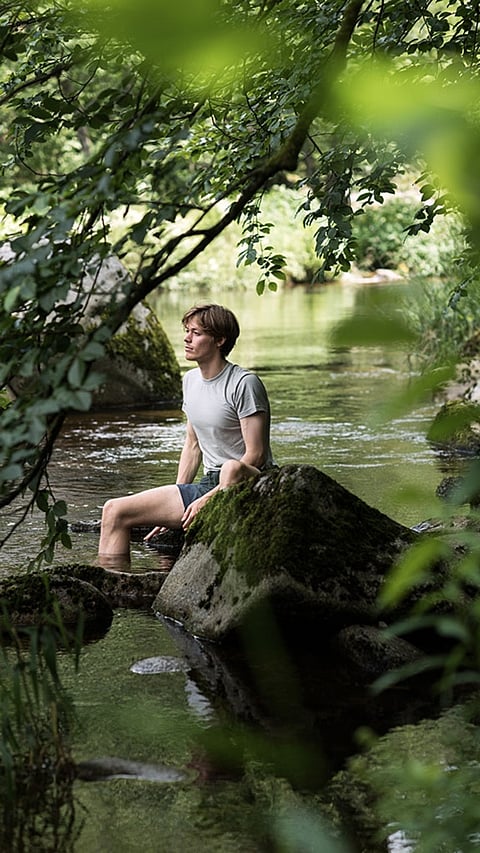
[[212, 368]]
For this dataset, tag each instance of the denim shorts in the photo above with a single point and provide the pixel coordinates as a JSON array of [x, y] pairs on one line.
[[191, 491]]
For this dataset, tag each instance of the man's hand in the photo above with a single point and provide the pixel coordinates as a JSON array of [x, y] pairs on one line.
[[193, 508], [154, 533]]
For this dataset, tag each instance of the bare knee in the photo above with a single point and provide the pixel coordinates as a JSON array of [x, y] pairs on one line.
[[111, 514], [234, 471]]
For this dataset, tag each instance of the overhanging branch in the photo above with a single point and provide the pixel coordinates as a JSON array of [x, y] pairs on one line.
[[286, 159]]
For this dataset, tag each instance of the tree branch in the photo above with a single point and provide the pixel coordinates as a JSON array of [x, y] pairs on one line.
[[285, 159]]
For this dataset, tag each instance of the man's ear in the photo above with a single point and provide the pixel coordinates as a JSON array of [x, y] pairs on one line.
[[220, 342]]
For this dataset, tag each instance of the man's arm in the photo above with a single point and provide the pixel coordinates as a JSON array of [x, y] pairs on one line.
[[254, 431], [255, 436], [190, 457]]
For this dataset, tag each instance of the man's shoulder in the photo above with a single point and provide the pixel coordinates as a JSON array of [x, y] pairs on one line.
[[236, 372], [235, 375], [191, 375]]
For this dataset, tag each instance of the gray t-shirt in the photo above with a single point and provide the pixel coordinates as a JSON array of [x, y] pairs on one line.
[[214, 408]]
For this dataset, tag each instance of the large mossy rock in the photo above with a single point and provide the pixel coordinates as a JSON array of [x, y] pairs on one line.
[[35, 598], [292, 543], [140, 366], [422, 776]]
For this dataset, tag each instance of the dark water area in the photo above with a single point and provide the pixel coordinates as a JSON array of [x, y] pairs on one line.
[[149, 694]]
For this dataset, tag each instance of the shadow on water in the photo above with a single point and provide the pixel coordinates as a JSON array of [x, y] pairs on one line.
[[299, 709]]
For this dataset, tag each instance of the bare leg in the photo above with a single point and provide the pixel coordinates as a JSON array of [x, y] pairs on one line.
[[163, 506]]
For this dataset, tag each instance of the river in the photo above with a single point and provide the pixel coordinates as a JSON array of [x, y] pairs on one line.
[[325, 402]]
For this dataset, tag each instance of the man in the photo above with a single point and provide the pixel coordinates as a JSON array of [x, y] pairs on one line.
[[228, 430]]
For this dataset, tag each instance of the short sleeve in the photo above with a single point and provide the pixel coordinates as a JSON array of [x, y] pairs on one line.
[[250, 396]]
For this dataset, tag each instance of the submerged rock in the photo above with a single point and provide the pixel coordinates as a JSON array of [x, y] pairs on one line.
[[102, 769], [292, 544], [456, 428], [34, 598], [159, 665], [121, 589]]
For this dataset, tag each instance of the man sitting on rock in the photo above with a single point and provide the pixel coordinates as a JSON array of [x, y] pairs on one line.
[[228, 430]]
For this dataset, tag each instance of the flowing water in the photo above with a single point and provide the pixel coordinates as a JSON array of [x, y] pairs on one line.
[[137, 699], [325, 403]]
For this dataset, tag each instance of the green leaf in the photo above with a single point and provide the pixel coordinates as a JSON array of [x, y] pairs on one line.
[[76, 373], [80, 400], [10, 299], [92, 351], [66, 540], [60, 508], [42, 500], [10, 472]]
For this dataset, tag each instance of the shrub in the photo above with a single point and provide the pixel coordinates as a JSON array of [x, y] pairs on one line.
[[444, 314], [382, 240]]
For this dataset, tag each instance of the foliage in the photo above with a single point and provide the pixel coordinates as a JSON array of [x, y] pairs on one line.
[[416, 788], [220, 265], [187, 113], [432, 801], [36, 767], [444, 313], [380, 237], [383, 241]]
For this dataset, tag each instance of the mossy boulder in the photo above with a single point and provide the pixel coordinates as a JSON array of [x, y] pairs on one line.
[[140, 367], [420, 778], [456, 428], [292, 543], [34, 598]]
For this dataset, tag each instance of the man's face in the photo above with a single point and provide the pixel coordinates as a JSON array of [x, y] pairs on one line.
[[199, 345]]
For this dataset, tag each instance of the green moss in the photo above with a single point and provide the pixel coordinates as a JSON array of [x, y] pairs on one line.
[[146, 347], [457, 425], [233, 524], [295, 520]]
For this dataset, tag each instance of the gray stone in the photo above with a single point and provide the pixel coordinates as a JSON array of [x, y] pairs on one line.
[[29, 601], [369, 652], [121, 589], [140, 366], [292, 543]]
